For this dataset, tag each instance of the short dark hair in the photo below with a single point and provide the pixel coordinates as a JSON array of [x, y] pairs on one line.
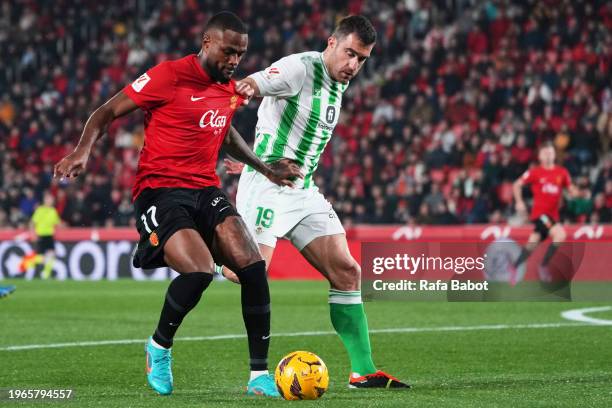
[[546, 144], [358, 25], [226, 20]]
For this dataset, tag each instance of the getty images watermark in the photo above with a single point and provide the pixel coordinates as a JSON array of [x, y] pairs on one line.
[[485, 271], [411, 265]]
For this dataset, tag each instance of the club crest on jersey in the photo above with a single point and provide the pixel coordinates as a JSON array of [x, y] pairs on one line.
[[154, 239], [233, 101], [213, 119]]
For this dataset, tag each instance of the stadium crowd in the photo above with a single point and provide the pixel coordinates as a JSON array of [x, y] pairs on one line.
[[447, 113]]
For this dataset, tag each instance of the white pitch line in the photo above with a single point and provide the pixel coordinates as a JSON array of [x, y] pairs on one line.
[[308, 333], [578, 315]]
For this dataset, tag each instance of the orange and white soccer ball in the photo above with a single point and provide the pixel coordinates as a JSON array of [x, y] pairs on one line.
[[301, 375]]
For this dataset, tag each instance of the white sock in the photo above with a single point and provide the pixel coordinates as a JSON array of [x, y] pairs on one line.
[[158, 346], [255, 374]]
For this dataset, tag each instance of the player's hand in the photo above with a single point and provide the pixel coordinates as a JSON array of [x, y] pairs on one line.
[[284, 172], [232, 167], [521, 208], [229, 275], [71, 165], [245, 90]]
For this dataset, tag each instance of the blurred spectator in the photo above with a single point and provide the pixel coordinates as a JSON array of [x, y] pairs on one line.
[[581, 207], [450, 106]]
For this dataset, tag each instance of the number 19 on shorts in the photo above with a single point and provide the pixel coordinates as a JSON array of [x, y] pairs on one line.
[[265, 217]]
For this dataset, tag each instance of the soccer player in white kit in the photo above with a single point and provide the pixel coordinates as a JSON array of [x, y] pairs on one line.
[[302, 97]]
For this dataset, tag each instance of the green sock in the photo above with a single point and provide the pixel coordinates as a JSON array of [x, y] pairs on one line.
[[349, 319], [48, 268]]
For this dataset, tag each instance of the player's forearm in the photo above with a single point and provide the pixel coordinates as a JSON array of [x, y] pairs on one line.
[[517, 191], [235, 145], [96, 126]]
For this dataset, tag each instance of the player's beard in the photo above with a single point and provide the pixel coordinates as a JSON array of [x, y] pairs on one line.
[[223, 78], [217, 74]]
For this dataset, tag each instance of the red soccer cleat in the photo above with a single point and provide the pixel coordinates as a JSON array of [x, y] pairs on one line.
[[379, 379]]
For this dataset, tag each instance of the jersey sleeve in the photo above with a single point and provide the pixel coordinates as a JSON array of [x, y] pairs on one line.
[[528, 177], [284, 78], [154, 88]]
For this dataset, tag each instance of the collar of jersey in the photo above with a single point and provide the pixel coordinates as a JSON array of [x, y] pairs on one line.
[[325, 68], [200, 69]]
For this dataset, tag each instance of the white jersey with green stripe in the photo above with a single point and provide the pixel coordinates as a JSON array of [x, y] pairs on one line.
[[299, 111]]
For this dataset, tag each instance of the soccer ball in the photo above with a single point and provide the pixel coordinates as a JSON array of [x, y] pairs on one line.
[[301, 375]]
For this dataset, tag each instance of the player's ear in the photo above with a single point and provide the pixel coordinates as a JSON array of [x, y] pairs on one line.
[[206, 40], [331, 42]]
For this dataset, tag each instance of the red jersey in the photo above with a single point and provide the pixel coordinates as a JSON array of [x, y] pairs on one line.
[[187, 115], [546, 186]]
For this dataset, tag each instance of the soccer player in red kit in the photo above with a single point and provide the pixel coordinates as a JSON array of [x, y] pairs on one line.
[[185, 221], [547, 183]]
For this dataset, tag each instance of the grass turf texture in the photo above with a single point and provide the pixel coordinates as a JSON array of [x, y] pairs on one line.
[[530, 367]]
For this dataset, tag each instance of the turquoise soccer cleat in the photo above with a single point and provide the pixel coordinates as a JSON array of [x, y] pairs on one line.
[[263, 385], [6, 290], [159, 372]]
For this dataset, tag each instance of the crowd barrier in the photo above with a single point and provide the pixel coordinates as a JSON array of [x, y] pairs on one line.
[[93, 254]]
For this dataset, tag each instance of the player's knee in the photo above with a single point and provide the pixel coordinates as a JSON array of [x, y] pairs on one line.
[[346, 275], [247, 258], [244, 250], [195, 264], [203, 266]]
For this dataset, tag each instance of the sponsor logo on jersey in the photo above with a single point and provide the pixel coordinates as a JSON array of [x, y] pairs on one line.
[[323, 126], [213, 119], [140, 82], [550, 188]]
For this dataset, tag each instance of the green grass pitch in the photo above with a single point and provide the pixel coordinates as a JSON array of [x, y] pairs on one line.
[[513, 365]]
